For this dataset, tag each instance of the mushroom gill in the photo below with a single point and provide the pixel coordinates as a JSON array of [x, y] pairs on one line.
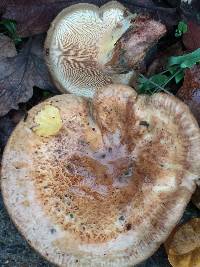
[[88, 47]]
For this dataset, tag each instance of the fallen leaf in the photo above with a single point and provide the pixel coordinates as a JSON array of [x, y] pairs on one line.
[[7, 47], [190, 91], [20, 73], [48, 121], [5, 3], [35, 17], [191, 38], [183, 245]]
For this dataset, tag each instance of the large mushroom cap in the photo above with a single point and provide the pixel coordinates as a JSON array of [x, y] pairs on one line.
[[101, 183], [86, 46]]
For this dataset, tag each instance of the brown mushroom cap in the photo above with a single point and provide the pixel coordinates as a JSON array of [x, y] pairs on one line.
[[86, 46], [109, 185]]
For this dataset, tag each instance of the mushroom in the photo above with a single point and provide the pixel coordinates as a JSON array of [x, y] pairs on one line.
[[88, 47], [101, 182]]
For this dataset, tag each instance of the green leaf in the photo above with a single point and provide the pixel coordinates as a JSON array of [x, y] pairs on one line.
[[10, 27], [181, 29], [148, 85], [182, 26], [173, 69], [179, 76], [46, 94], [159, 79], [178, 33], [186, 61]]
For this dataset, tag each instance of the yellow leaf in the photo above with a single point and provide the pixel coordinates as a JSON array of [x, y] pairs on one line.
[[48, 121], [183, 246], [180, 260]]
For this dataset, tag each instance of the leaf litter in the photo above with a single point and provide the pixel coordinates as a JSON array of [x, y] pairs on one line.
[[18, 74]]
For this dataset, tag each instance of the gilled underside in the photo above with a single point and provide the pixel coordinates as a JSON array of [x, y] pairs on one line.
[[88, 47], [110, 186]]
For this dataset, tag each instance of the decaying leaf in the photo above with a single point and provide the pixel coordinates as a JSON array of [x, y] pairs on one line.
[[20, 73], [190, 91], [183, 246], [48, 121], [35, 17], [191, 38], [7, 47]]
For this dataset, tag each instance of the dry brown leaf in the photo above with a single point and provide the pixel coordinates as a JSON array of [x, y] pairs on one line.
[[191, 38], [190, 91], [188, 260], [183, 246], [7, 47], [5, 3], [20, 73], [34, 17]]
